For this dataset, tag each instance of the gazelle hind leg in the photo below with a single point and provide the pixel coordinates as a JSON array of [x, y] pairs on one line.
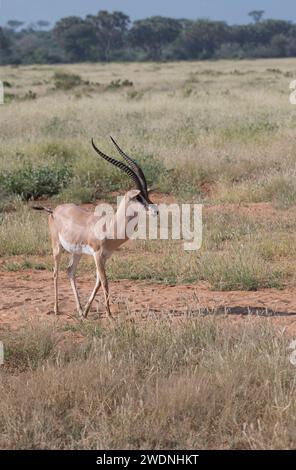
[[73, 263]]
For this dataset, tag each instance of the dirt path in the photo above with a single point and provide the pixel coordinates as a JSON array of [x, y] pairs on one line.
[[30, 294]]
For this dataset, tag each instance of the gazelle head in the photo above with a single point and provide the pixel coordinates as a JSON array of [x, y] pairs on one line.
[[135, 172]]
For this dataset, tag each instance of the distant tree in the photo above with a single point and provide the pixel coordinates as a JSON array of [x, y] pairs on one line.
[[15, 24], [256, 15], [291, 46], [153, 34], [107, 36], [279, 44], [203, 37], [4, 42], [110, 30], [27, 46], [5, 47], [77, 37], [43, 24]]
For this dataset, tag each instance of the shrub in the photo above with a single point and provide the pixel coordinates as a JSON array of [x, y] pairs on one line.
[[30, 95], [32, 182], [115, 84], [67, 81]]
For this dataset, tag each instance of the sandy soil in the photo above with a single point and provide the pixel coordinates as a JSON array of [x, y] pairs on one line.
[[30, 294]]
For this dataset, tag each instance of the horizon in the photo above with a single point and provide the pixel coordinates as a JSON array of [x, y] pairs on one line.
[[226, 10]]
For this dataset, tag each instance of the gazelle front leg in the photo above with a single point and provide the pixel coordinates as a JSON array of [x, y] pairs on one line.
[[96, 288], [100, 261], [74, 260], [105, 286]]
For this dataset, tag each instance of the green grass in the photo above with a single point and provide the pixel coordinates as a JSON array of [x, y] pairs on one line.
[[240, 269]]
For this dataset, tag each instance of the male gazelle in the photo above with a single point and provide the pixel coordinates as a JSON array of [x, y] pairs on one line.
[[75, 230]]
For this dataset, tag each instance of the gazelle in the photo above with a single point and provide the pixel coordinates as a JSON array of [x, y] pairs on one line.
[[74, 229]]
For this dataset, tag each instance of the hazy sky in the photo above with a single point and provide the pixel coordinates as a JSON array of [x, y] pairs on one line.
[[233, 11]]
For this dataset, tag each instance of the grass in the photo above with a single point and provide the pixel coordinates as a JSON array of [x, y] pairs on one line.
[[220, 133], [231, 129], [202, 383], [241, 268], [23, 232]]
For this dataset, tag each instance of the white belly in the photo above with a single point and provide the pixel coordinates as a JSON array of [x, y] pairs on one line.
[[76, 249]]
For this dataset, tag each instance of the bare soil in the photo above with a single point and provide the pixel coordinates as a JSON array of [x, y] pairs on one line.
[[30, 294]]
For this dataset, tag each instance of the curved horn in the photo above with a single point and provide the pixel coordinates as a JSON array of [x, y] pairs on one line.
[[119, 165], [137, 169]]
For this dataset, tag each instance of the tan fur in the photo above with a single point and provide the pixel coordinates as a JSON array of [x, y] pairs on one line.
[[73, 229]]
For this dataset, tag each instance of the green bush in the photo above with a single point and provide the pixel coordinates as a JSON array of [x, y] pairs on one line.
[[32, 182]]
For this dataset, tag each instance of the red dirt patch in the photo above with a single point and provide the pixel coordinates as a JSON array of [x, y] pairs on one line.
[[29, 294]]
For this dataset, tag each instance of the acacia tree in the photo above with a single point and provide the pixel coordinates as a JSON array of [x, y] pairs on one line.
[[110, 30], [76, 37], [256, 15], [153, 34]]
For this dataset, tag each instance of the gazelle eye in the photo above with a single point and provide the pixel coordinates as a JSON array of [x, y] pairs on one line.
[[141, 199]]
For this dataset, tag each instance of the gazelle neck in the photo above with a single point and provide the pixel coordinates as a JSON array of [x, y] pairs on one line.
[[128, 210]]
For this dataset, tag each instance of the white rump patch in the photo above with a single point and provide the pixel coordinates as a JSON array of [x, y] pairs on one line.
[[76, 249]]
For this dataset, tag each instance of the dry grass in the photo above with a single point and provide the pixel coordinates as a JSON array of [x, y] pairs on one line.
[[219, 132], [201, 384], [235, 125]]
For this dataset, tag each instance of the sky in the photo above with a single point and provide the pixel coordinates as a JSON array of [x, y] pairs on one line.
[[232, 11]]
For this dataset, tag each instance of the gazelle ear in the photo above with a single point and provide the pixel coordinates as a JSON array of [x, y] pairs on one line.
[[133, 193]]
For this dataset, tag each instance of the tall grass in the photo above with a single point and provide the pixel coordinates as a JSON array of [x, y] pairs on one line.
[[201, 384], [23, 232]]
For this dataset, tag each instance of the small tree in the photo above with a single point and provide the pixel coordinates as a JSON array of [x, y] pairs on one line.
[[256, 15]]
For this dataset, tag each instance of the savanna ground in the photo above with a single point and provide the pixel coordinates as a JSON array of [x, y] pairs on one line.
[[198, 355]]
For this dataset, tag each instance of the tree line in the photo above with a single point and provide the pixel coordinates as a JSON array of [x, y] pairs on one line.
[[113, 37]]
